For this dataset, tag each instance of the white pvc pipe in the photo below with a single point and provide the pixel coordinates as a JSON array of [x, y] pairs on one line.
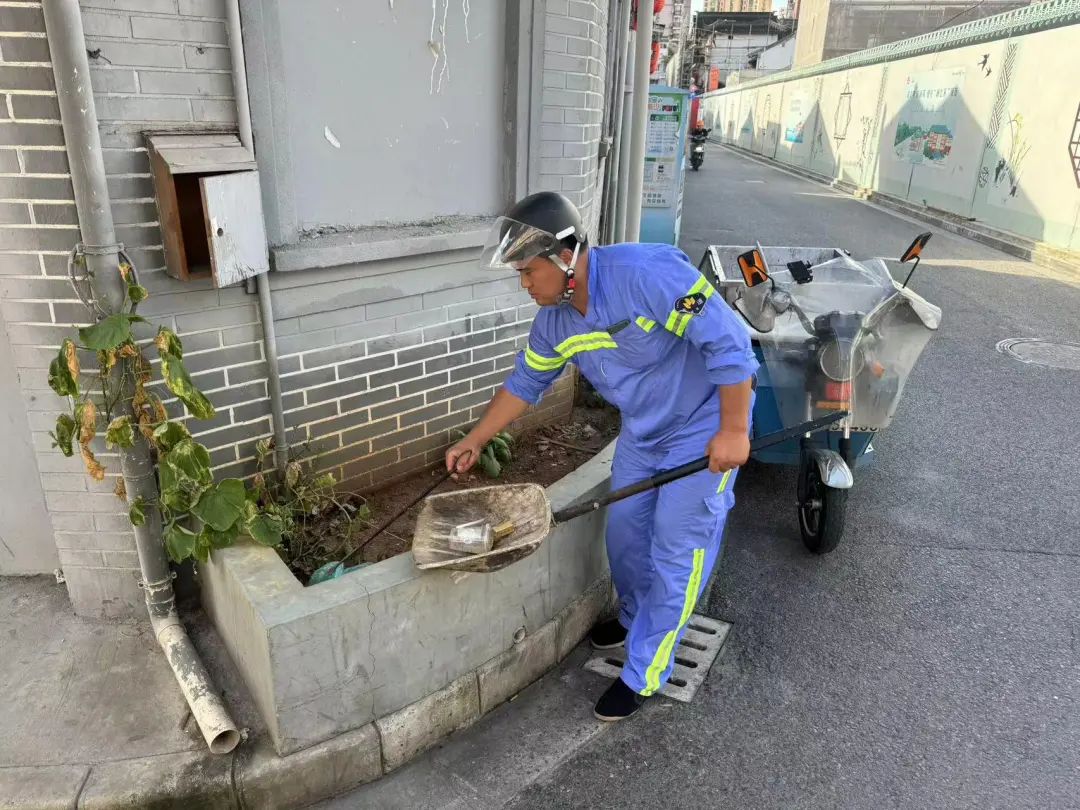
[[207, 707]]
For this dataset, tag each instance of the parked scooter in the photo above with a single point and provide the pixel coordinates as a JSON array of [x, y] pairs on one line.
[[697, 146]]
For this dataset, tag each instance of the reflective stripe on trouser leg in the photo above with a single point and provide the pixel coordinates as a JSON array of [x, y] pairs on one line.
[[629, 530], [687, 532]]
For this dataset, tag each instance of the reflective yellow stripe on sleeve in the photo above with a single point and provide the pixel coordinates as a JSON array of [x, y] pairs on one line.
[[645, 324], [538, 362], [590, 341], [663, 652]]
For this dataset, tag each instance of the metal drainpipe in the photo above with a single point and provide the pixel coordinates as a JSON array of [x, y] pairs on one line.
[[618, 147], [78, 115], [262, 281], [640, 120], [624, 149]]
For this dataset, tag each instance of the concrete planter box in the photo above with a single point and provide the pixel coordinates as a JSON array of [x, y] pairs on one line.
[[332, 658]]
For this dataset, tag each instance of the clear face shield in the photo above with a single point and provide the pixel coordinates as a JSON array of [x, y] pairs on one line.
[[510, 245]]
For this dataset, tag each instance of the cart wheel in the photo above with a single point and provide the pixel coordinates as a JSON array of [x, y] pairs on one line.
[[821, 513]]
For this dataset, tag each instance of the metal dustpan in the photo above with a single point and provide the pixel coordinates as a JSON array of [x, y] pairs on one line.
[[509, 522], [525, 506]]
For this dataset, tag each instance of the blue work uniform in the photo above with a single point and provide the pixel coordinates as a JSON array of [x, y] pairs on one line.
[[656, 342]]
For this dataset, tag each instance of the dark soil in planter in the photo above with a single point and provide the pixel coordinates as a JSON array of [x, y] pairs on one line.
[[542, 456]]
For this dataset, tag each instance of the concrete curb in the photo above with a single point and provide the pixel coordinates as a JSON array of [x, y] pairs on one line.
[[256, 778], [1038, 253]]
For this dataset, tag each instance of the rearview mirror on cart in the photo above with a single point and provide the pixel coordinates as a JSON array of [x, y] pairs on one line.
[[752, 264], [914, 251], [915, 248]]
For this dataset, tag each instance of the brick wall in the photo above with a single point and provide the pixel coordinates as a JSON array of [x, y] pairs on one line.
[[159, 63], [378, 388], [575, 63], [380, 362]]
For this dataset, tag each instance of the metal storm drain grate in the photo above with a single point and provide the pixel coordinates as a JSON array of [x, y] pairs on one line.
[[1042, 352], [694, 656]]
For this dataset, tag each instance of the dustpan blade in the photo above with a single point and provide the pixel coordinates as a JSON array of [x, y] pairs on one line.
[[524, 505]]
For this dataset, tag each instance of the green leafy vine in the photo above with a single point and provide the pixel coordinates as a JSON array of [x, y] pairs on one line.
[[198, 513]]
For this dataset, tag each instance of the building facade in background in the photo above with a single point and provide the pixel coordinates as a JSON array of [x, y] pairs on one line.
[[377, 194], [671, 31], [830, 28], [738, 5], [726, 43]]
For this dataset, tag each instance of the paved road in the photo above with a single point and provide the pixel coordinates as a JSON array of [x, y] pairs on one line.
[[933, 660]]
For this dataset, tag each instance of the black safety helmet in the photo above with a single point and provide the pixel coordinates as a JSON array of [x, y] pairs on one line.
[[542, 224]]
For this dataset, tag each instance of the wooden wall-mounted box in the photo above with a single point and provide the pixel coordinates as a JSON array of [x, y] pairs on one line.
[[209, 207]]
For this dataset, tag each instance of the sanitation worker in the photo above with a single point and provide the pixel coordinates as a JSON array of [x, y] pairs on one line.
[[647, 330]]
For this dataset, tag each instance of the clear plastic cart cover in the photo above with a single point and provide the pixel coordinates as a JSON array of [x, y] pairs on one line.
[[511, 244], [847, 340]]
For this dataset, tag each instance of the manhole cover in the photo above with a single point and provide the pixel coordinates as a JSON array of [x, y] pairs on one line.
[[1042, 352], [693, 656]]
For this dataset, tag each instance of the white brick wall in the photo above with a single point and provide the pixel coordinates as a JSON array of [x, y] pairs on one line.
[[573, 102]]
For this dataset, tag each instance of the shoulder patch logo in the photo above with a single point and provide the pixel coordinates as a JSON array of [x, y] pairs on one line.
[[690, 304]]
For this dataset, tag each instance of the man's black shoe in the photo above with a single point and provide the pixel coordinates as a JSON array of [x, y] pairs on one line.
[[607, 635], [618, 702]]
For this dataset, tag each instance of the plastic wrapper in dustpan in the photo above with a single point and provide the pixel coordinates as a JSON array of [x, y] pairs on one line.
[[524, 505]]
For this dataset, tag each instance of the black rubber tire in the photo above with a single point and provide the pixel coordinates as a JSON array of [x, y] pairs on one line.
[[821, 527]]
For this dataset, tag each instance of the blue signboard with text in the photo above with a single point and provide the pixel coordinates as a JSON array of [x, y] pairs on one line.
[[665, 158]]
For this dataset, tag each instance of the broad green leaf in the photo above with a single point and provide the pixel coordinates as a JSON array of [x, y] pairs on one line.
[[184, 475], [179, 382], [490, 465], [64, 371], [168, 343], [108, 333], [64, 433], [179, 542], [120, 433], [201, 552], [137, 512], [215, 539], [221, 505], [169, 434], [266, 529], [137, 293], [171, 494], [190, 459], [60, 380], [501, 449]]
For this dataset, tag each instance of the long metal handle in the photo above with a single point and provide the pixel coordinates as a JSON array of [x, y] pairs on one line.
[[387, 523], [675, 473]]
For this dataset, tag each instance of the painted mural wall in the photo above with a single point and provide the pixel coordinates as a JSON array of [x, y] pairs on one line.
[[989, 131]]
